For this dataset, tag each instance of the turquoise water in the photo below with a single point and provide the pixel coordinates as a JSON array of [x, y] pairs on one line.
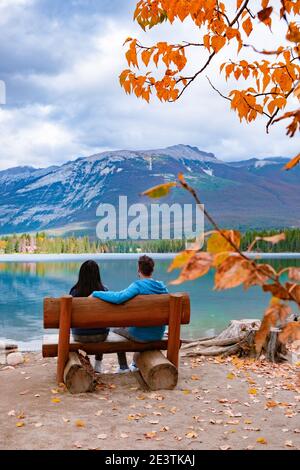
[[24, 285]]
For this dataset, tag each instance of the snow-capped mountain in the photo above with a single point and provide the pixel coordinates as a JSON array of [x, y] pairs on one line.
[[252, 193]]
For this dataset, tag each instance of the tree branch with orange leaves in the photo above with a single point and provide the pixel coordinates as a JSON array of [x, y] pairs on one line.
[[271, 84]]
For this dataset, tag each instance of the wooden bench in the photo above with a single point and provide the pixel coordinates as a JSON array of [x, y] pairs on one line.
[[142, 311]]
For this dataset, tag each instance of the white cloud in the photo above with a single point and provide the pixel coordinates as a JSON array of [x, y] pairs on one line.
[[9, 8], [29, 137]]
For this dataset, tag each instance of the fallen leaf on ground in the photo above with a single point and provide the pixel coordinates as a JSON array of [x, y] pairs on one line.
[[38, 425], [55, 400], [99, 413], [225, 447], [102, 436], [20, 424], [230, 376], [79, 423], [123, 435], [261, 440], [150, 435], [164, 429], [252, 391], [11, 413], [191, 435], [271, 404], [174, 410], [289, 444]]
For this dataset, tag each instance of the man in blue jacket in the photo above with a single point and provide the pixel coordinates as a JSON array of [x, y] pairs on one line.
[[146, 285]]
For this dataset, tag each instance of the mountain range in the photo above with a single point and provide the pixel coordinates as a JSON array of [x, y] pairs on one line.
[[254, 193]]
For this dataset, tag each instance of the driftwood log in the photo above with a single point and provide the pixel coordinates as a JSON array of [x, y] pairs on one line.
[[79, 376], [157, 371], [237, 339]]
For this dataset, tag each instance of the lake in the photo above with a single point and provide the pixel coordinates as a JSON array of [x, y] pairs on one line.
[[23, 285]]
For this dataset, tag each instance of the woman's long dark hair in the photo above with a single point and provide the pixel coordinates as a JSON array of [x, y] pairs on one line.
[[89, 280]]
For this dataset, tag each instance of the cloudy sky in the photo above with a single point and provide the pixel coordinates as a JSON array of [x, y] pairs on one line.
[[60, 61]]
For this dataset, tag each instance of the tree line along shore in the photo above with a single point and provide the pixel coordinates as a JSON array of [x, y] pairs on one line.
[[42, 243]]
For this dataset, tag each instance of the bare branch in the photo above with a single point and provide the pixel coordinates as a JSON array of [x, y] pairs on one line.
[[214, 88]]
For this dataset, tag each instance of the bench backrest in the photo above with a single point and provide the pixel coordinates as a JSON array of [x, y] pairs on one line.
[[144, 310]]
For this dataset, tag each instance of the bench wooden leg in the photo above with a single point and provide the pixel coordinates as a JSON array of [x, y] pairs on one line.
[[64, 335], [174, 328]]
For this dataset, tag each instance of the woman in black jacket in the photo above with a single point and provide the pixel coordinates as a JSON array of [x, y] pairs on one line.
[[89, 281]]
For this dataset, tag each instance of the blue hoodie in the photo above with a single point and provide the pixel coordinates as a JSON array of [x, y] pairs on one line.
[[140, 287]]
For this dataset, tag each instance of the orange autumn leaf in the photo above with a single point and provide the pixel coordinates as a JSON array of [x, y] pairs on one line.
[[271, 404], [181, 259], [294, 291], [233, 271], [20, 424], [217, 42], [247, 26], [79, 423], [55, 400], [274, 239], [259, 275], [261, 440], [198, 265], [293, 33], [264, 15], [159, 191], [230, 376], [221, 246], [150, 435], [146, 55], [277, 290], [292, 163]]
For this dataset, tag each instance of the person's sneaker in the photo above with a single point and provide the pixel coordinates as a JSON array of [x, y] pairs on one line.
[[121, 370], [98, 366], [133, 367]]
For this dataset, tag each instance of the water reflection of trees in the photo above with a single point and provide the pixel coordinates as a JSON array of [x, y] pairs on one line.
[[41, 269]]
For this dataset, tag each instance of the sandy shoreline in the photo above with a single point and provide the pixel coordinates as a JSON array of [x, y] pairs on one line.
[[216, 405]]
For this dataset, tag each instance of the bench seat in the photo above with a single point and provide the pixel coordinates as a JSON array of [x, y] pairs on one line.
[[113, 343]]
